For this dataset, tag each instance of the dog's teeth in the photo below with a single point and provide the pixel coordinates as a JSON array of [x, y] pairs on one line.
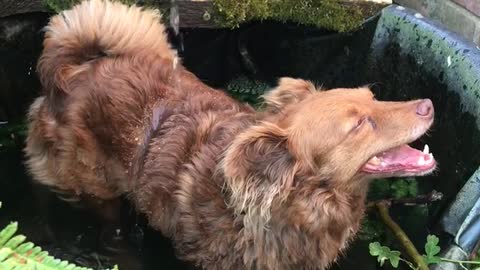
[[431, 156], [426, 149], [421, 161], [375, 160], [428, 161]]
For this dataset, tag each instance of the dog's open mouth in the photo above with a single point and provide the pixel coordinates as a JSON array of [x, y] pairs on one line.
[[401, 160]]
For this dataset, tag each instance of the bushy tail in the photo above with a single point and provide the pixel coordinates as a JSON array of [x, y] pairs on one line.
[[93, 29]]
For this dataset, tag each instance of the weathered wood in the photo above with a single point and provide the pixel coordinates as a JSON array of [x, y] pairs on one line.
[[196, 14], [12, 7], [192, 13]]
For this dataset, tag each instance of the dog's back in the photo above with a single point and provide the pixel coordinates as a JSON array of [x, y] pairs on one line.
[[109, 79]]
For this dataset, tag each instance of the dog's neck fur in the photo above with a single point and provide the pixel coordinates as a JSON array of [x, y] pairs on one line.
[[316, 213]]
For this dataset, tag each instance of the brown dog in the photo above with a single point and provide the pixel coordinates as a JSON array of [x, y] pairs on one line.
[[234, 189]]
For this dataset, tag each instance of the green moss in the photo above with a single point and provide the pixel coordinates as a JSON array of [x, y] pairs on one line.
[[328, 14], [59, 5]]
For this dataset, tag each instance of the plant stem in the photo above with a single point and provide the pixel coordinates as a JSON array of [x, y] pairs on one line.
[[401, 236], [420, 199], [409, 264], [455, 261]]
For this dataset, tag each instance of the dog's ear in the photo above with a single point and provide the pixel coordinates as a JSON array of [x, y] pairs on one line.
[[259, 169], [288, 91]]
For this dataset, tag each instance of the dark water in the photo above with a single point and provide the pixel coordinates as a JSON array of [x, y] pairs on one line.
[[258, 51], [453, 138]]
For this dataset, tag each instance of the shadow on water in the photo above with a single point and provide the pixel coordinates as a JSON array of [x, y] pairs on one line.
[[260, 51]]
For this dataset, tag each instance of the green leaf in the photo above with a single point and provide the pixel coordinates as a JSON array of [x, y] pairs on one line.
[[14, 242], [400, 189], [8, 232], [246, 90], [431, 260], [431, 247], [371, 229], [431, 250], [407, 187], [25, 247], [5, 253], [384, 254], [379, 189], [412, 187]]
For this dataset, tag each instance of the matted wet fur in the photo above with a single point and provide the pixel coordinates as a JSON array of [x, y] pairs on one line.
[[235, 189]]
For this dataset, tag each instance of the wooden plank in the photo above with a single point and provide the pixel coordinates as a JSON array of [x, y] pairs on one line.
[[195, 14], [192, 13], [12, 7]]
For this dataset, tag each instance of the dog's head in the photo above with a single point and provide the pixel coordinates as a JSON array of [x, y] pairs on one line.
[[340, 135]]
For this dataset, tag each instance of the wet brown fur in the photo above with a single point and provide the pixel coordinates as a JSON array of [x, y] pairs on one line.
[[233, 188]]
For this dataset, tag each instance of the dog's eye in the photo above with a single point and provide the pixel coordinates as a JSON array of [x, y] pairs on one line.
[[372, 122], [359, 123], [362, 120]]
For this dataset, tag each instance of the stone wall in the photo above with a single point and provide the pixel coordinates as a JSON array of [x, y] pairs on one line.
[[461, 16]]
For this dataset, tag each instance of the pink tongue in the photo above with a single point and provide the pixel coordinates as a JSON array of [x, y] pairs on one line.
[[401, 155]]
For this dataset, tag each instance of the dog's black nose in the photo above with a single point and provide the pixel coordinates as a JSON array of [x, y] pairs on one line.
[[425, 108]]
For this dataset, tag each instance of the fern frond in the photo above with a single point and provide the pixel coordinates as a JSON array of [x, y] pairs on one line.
[[16, 254]]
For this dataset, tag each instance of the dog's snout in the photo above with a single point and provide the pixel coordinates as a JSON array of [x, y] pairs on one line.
[[425, 108]]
